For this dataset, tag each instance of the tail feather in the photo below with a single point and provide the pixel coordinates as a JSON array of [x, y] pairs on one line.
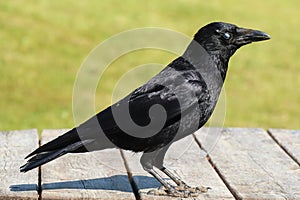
[[58, 143], [67, 143], [44, 157]]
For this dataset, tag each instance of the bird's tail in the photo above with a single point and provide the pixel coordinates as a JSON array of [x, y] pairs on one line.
[[68, 143]]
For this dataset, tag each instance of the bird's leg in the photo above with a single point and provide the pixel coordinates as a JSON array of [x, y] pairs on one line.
[[147, 161], [160, 179], [181, 185], [169, 189], [159, 163], [175, 178]]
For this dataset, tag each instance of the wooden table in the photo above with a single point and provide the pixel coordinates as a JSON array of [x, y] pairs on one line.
[[237, 163]]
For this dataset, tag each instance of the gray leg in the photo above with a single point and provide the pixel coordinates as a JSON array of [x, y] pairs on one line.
[[148, 160], [181, 187], [175, 178], [159, 163]]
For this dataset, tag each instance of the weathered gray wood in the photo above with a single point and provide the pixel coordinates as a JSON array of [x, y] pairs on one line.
[[289, 140], [94, 175], [187, 160], [252, 164], [14, 146]]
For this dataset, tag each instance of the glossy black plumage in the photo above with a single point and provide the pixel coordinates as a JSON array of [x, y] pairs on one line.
[[188, 90]]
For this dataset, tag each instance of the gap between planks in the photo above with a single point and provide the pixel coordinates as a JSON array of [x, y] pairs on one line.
[[130, 177], [39, 191], [234, 194], [272, 133], [244, 159], [13, 184]]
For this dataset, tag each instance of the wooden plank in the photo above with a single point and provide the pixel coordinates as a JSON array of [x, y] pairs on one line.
[[252, 164], [94, 175], [14, 146], [187, 160], [289, 140]]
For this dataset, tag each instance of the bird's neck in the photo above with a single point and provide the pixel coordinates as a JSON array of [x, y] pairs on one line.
[[221, 63], [212, 61]]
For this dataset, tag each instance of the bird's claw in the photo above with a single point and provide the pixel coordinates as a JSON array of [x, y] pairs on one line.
[[183, 191], [157, 192], [172, 193], [202, 189], [184, 186]]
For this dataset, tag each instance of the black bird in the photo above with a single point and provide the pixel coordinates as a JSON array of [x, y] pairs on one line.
[[173, 104]]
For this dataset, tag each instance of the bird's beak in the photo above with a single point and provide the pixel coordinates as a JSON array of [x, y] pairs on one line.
[[246, 36]]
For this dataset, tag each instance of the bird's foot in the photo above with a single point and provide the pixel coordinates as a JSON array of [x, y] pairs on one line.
[[183, 191], [198, 189], [173, 193], [158, 192]]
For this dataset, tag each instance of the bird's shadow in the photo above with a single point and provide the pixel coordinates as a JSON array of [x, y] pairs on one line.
[[116, 182]]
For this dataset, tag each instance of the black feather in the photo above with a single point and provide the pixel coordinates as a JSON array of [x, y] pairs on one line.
[[187, 89], [44, 157]]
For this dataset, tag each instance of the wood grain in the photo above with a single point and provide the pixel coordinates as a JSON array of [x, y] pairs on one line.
[[252, 164], [14, 146], [93, 175]]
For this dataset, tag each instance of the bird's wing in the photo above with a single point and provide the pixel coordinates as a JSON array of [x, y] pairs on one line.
[[174, 89]]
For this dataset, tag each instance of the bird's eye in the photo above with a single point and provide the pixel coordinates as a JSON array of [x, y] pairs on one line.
[[226, 35]]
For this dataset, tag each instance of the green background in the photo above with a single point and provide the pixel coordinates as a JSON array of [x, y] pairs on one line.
[[43, 44]]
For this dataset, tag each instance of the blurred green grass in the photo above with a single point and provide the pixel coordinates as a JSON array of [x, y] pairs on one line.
[[43, 44]]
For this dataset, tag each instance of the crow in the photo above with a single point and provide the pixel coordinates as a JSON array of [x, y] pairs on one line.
[[173, 104]]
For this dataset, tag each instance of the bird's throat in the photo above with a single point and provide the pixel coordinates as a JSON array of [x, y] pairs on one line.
[[222, 64], [208, 61]]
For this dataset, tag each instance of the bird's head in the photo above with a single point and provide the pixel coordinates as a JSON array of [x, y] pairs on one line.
[[225, 38]]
